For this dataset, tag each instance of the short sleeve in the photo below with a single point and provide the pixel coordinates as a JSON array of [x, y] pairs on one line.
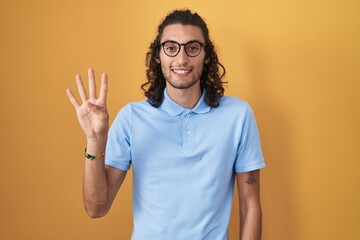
[[118, 146], [249, 154]]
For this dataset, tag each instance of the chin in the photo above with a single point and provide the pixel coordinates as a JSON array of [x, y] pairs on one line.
[[182, 85]]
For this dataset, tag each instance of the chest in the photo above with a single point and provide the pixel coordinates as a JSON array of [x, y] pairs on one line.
[[205, 141]]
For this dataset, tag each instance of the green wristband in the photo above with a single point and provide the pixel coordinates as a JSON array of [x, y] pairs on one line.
[[91, 157]]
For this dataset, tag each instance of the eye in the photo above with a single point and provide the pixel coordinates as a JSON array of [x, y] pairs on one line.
[[193, 47], [171, 47]]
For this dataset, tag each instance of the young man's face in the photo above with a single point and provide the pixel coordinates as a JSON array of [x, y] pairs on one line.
[[182, 71]]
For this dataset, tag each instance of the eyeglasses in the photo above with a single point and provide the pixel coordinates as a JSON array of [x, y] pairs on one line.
[[192, 48]]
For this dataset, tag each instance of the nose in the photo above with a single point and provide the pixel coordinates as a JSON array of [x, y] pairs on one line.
[[182, 57]]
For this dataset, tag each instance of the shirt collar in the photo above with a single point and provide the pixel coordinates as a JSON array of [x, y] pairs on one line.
[[174, 109]]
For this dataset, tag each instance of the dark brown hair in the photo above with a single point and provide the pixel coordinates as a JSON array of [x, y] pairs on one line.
[[210, 78]]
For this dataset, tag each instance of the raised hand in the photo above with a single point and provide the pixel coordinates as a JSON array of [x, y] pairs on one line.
[[92, 113]]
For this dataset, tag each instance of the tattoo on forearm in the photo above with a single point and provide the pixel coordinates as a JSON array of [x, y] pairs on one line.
[[251, 179]]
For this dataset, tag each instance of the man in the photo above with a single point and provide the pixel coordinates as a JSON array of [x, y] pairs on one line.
[[186, 143]]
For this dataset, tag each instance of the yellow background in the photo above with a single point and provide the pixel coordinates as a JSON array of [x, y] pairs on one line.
[[296, 62]]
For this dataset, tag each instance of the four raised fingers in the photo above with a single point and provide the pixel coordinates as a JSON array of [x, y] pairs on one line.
[[92, 88]]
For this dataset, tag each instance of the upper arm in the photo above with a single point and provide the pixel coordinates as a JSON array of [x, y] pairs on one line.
[[248, 185], [115, 178]]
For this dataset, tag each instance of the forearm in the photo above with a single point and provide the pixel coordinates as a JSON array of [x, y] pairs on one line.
[[250, 223], [95, 187]]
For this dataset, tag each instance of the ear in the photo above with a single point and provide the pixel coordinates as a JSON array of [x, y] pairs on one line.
[[207, 61], [157, 60]]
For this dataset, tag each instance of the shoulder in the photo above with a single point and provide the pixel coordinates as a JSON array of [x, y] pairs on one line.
[[126, 112], [134, 106], [234, 108], [138, 104], [235, 104], [231, 100]]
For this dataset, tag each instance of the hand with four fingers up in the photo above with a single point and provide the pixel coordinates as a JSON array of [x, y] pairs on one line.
[[92, 112]]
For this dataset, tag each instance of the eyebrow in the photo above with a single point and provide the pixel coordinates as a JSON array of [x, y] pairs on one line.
[[170, 40]]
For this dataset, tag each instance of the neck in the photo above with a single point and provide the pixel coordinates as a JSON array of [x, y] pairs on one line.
[[187, 98]]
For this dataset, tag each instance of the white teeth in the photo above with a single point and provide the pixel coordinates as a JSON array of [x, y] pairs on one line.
[[181, 71]]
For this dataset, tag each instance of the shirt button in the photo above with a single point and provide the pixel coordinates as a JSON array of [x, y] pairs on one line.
[[188, 132], [188, 114]]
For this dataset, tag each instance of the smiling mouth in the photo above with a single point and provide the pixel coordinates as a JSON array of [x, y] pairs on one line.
[[181, 71]]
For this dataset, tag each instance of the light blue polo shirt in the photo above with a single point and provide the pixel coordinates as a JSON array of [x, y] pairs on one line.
[[184, 163]]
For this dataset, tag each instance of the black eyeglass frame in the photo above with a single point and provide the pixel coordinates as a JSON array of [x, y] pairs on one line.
[[182, 44]]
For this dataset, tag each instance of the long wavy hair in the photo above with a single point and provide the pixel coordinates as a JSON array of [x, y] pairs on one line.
[[211, 77]]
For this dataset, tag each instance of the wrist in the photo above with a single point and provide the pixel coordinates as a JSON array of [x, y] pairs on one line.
[[96, 146], [98, 139], [92, 157]]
